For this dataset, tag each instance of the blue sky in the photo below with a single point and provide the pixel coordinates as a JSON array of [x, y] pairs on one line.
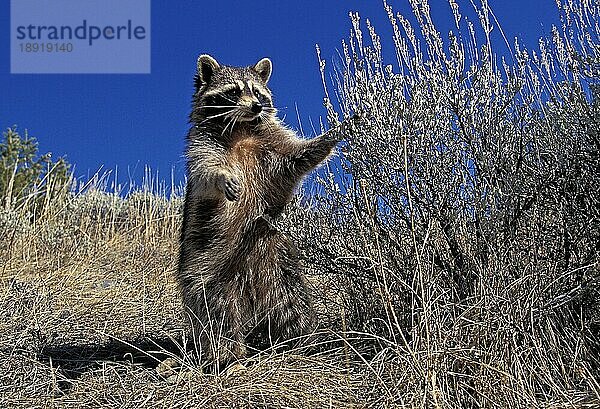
[[129, 121]]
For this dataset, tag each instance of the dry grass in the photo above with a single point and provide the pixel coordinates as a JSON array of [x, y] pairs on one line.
[[90, 307]]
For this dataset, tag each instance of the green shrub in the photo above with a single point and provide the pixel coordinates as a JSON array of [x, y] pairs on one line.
[[28, 180]]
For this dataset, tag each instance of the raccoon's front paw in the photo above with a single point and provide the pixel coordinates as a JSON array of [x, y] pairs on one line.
[[339, 132], [231, 187]]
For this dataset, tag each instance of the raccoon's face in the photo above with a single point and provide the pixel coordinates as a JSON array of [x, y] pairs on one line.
[[233, 94]]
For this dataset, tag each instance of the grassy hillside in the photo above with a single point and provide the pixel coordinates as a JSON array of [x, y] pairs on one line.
[[90, 308], [453, 246]]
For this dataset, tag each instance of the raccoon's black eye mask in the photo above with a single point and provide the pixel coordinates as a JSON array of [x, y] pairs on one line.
[[233, 92]]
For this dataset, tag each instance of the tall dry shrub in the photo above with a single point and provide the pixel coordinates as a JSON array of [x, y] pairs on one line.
[[462, 225]]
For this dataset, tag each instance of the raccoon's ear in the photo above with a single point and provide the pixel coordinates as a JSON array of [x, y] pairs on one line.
[[206, 67], [264, 68]]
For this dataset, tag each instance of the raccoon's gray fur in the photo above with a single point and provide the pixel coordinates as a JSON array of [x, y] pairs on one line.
[[238, 274]]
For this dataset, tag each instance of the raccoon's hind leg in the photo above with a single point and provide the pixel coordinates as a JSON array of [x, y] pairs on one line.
[[216, 318], [293, 316], [288, 309]]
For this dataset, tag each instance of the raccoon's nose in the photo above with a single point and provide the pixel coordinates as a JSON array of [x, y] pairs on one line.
[[256, 107]]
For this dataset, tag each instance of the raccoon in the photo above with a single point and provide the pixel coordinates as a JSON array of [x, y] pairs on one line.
[[239, 276]]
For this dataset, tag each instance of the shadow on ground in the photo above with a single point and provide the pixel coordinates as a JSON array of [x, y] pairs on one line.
[[72, 361]]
